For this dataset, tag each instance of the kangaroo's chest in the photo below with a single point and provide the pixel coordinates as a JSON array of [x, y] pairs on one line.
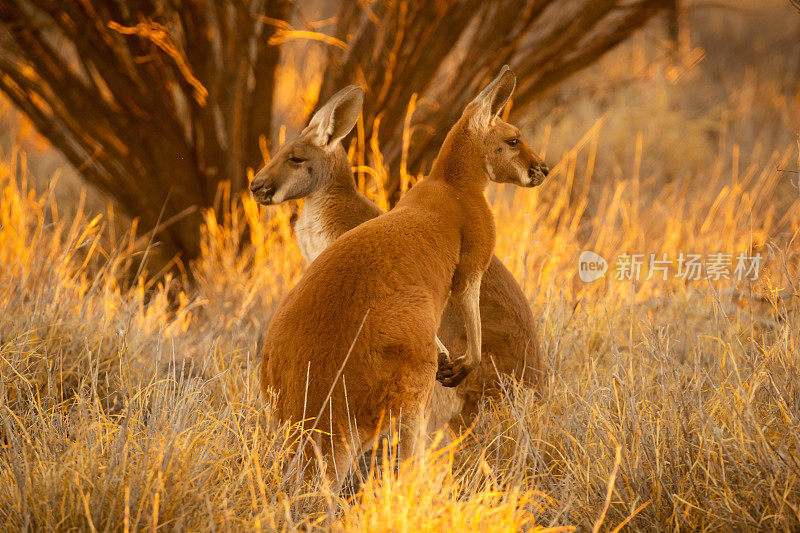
[[313, 235]]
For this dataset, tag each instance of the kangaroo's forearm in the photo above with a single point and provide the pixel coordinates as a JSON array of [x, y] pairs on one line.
[[469, 301]]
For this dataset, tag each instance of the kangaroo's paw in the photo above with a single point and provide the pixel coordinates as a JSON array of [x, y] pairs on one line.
[[450, 373]]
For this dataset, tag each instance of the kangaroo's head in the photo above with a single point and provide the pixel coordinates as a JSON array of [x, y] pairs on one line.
[[315, 158], [508, 157]]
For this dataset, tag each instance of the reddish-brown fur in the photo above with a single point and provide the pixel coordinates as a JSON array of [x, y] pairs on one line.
[[333, 206], [370, 305]]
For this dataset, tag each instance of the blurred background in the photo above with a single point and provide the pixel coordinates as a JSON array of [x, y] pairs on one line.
[[152, 104]]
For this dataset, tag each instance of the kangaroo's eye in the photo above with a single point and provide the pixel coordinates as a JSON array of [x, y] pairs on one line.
[[512, 142], [297, 160]]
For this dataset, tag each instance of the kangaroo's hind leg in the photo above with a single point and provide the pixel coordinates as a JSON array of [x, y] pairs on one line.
[[412, 422], [339, 456], [411, 434]]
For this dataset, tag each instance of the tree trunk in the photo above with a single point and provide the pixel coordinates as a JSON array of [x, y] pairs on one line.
[[156, 102]]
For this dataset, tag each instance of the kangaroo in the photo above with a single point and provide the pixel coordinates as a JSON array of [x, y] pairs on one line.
[[353, 343], [321, 174]]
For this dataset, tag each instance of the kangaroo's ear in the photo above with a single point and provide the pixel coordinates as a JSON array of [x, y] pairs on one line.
[[493, 98], [337, 117]]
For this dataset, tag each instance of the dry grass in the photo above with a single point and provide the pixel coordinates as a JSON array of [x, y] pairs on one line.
[[668, 404]]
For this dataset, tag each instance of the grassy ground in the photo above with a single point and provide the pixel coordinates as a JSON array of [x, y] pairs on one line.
[[668, 403]]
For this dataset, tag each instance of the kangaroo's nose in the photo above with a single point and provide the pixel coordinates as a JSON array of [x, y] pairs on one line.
[[537, 173], [540, 169], [261, 192], [255, 185]]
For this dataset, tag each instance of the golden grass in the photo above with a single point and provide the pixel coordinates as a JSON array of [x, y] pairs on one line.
[[697, 388], [668, 404]]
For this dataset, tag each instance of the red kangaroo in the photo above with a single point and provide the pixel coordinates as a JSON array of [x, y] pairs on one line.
[[356, 338]]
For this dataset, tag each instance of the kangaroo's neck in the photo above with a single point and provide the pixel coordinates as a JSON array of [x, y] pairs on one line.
[[332, 210], [339, 185], [460, 161]]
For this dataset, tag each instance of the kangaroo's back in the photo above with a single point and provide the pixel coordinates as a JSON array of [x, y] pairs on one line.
[[379, 288]]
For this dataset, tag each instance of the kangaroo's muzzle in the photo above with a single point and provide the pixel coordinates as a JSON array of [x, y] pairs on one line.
[[262, 192], [537, 173]]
